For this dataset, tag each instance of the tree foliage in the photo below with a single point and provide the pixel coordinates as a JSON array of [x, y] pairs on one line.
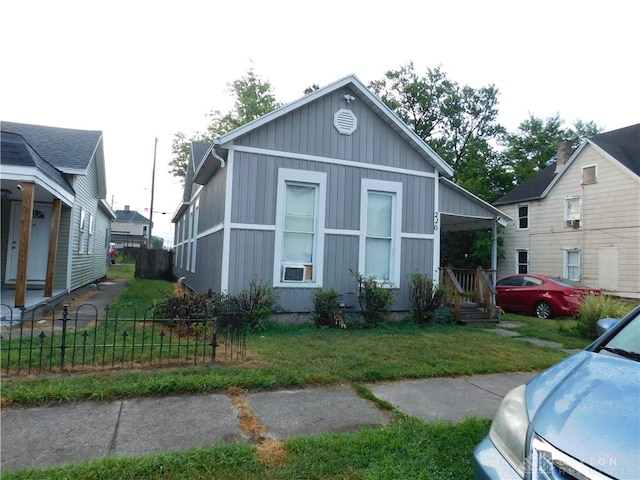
[[457, 121], [253, 98], [534, 145]]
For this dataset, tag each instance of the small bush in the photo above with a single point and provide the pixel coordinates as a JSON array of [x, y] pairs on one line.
[[259, 302], [375, 300], [327, 311], [425, 297], [593, 308]]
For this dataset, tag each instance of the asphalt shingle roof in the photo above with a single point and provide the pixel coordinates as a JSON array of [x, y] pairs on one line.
[[531, 189], [16, 151], [130, 216], [623, 145], [65, 148]]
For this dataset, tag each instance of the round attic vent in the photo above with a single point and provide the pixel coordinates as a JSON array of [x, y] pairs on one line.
[[345, 121]]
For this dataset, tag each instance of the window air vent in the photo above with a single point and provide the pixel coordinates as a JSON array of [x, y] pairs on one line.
[[345, 121]]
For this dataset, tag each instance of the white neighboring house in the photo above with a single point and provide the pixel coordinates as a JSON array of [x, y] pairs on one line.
[[129, 229], [580, 217]]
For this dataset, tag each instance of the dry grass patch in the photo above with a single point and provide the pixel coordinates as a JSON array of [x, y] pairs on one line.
[[269, 450]]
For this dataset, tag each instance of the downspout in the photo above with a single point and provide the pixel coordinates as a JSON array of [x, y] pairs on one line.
[[217, 157]]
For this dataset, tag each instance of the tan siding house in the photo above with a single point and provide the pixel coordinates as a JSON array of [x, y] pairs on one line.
[[580, 217]]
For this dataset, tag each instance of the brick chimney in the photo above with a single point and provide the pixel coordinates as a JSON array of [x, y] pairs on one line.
[[126, 208], [564, 153]]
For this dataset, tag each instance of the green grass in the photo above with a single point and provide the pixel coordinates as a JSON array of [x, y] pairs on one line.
[[125, 267], [557, 330], [408, 449], [286, 357]]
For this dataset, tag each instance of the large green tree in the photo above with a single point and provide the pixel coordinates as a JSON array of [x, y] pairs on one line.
[[459, 122], [534, 145], [253, 98]]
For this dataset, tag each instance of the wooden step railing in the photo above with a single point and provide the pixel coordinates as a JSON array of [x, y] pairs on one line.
[[469, 286]]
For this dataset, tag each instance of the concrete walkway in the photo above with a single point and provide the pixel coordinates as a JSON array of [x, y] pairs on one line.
[[55, 435]]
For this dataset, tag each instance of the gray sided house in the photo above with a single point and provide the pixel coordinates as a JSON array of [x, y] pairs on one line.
[[55, 221], [328, 184], [580, 217]]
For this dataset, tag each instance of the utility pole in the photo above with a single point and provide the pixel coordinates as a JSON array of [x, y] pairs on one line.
[[153, 181]]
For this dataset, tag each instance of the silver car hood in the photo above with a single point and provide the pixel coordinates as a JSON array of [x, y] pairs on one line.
[[588, 406]]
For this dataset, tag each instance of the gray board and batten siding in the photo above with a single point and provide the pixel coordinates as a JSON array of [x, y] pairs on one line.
[[305, 139]]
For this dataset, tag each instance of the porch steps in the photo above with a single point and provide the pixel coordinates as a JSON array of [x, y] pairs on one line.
[[473, 314]]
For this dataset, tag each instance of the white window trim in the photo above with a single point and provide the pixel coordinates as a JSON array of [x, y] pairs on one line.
[[566, 210], [566, 263], [518, 216], [303, 176], [595, 174], [395, 188], [194, 236], [82, 232], [92, 232]]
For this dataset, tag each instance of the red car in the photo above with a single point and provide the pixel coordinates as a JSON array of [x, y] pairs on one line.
[[541, 295]]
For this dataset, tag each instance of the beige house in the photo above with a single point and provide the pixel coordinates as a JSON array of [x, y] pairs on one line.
[[129, 229], [580, 217]]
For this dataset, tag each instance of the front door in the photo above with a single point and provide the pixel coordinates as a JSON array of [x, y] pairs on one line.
[[38, 246]]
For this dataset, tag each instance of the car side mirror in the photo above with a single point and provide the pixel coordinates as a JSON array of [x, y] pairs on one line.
[[605, 324]]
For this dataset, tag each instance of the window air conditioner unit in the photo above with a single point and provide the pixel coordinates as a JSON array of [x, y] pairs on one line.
[[293, 273]]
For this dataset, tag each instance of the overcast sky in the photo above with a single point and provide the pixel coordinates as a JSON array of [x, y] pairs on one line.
[[139, 69]]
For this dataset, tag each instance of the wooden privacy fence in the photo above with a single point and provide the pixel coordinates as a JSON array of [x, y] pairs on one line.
[[66, 341], [154, 264]]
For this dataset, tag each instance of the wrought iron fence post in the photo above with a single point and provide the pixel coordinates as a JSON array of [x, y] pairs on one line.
[[214, 339], [63, 343]]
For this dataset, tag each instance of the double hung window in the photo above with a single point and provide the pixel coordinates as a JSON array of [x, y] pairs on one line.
[[380, 229], [299, 228]]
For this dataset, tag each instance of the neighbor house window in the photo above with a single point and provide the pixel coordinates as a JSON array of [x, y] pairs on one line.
[[589, 175], [380, 228], [299, 228], [522, 261], [92, 231], [82, 237], [523, 216], [194, 235], [572, 264], [572, 212]]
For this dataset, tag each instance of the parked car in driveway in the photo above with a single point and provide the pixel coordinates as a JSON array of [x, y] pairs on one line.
[[541, 295], [577, 420]]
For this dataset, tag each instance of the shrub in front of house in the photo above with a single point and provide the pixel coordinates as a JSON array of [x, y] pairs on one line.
[[327, 312], [425, 297], [375, 299], [259, 302]]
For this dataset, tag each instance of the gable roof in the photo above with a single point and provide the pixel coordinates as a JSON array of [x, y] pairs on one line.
[[130, 216], [69, 150], [16, 151], [531, 189], [622, 145], [363, 94]]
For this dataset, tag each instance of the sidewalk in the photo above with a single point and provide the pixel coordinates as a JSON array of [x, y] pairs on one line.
[[55, 435]]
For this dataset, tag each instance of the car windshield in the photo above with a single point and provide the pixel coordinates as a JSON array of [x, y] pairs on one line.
[[565, 282], [627, 341]]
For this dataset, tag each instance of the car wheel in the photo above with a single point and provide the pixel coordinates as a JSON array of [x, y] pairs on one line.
[[543, 310]]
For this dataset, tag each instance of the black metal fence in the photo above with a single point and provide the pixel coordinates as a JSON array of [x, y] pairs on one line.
[[46, 340]]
